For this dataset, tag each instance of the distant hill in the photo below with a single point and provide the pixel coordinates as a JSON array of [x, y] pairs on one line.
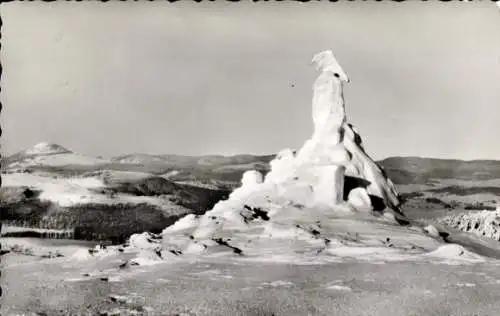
[[402, 170], [47, 154], [413, 170], [208, 160]]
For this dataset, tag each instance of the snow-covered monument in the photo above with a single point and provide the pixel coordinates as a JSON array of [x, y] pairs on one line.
[[311, 202]]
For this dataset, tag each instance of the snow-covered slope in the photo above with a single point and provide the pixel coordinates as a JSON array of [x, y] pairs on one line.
[[138, 159], [304, 209], [46, 148], [49, 154], [73, 191]]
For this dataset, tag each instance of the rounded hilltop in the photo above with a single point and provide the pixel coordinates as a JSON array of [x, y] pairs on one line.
[[46, 148]]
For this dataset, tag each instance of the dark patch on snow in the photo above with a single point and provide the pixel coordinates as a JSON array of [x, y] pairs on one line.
[[257, 212], [52, 255], [155, 236], [222, 242], [119, 299], [445, 236], [29, 193], [237, 251], [176, 252], [92, 251], [158, 253]]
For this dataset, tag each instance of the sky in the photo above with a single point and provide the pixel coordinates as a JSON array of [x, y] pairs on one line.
[[228, 78]]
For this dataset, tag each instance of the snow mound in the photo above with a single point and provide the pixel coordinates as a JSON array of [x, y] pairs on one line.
[[328, 202], [455, 253], [482, 223], [46, 148]]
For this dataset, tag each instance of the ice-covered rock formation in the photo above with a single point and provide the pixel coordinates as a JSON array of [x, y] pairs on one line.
[[335, 153], [482, 223], [310, 202]]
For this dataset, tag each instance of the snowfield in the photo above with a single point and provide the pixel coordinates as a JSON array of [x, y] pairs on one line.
[[74, 191], [60, 160], [222, 286], [48, 154]]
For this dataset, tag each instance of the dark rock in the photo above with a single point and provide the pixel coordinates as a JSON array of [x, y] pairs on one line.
[[237, 250], [119, 299], [158, 253], [261, 213], [222, 242]]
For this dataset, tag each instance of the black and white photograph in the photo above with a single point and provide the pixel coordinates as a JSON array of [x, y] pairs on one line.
[[251, 158]]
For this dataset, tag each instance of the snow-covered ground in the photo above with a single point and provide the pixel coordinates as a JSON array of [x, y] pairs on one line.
[[40, 246], [222, 286], [15, 229], [58, 160], [72, 191]]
